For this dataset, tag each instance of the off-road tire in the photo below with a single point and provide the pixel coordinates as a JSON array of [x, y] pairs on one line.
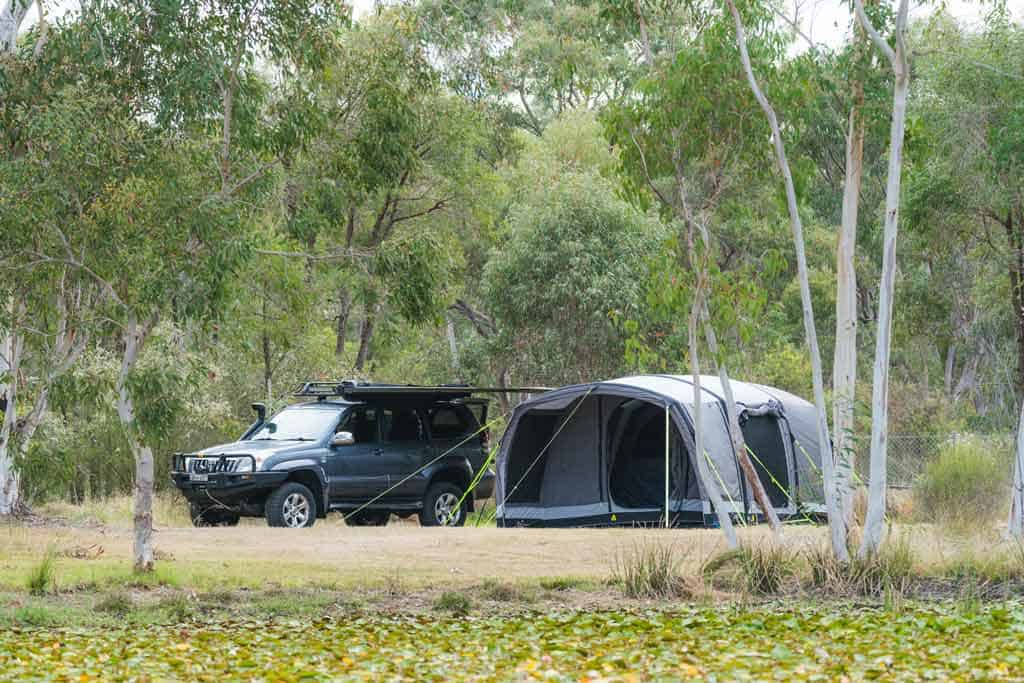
[[284, 507], [368, 518], [440, 496]]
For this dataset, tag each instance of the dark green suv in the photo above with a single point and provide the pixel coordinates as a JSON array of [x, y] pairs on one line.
[[365, 450]]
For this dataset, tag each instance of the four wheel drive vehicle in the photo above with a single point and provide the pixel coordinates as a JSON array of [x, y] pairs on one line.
[[366, 450]]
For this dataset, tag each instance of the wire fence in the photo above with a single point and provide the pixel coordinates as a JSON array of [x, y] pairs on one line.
[[909, 454]]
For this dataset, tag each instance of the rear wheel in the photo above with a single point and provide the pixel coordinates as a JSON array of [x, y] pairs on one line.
[[292, 505], [441, 506]]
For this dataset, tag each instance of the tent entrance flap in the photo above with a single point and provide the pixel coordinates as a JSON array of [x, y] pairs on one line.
[[764, 437], [554, 458], [635, 443]]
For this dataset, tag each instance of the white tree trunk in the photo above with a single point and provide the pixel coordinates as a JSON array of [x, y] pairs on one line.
[[142, 552], [844, 369], [838, 534], [874, 525], [706, 479], [739, 444], [12, 15], [10, 362], [1016, 527], [697, 309]]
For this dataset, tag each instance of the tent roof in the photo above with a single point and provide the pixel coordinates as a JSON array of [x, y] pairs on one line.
[[674, 388]]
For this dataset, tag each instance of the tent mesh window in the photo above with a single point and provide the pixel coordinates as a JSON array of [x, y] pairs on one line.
[[764, 437], [526, 462]]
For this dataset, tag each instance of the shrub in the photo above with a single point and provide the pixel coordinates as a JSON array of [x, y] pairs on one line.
[[118, 604], [35, 615], [966, 484], [177, 607], [456, 603], [650, 570], [505, 592], [42, 577]]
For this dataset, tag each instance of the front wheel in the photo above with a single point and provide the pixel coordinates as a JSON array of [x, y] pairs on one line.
[[441, 506], [292, 505]]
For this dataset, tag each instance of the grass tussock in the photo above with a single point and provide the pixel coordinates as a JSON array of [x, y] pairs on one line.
[[454, 602], [886, 574], [651, 570], [116, 604], [503, 591], [564, 583], [757, 570], [42, 577], [966, 485]]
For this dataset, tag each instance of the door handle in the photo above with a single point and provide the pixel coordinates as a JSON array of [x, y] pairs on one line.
[[378, 451]]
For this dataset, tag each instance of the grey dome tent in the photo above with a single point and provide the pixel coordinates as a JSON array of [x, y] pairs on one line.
[[602, 453]]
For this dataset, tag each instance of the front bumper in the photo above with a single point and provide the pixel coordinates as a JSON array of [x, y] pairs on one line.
[[228, 488]]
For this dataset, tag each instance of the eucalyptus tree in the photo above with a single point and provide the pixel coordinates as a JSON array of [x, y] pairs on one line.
[[835, 517], [898, 59], [570, 259], [398, 159], [162, 90], [543, 58], [685, 135], [46, 179]]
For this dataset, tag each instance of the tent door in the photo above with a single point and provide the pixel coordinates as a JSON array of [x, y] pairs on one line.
[[766, 437]]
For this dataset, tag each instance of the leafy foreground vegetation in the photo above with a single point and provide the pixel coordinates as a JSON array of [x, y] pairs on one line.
[[805, 643]]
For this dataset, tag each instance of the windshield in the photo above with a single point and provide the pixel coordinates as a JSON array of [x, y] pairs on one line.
[[297, 424]]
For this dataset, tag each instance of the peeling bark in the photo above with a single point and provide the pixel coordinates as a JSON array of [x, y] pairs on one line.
[[366, 336], [12, 16], [844, 368], [341, 321], [142, 550]]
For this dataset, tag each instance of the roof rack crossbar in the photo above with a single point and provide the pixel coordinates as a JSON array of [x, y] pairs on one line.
[[352, 388]]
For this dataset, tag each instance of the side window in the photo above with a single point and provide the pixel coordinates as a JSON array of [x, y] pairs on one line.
[[401, 425], [447, 423], [361, 421]]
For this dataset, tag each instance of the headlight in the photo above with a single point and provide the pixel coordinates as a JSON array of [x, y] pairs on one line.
[[244, 465]]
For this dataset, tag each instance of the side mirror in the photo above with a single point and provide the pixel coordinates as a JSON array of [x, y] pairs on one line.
[[343, 439]]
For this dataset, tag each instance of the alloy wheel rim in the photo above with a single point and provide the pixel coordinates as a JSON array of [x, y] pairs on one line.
[[295, 510], [445, 510]]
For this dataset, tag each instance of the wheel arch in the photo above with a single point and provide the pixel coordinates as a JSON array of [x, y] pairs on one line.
[[454, 473], [312, 480]]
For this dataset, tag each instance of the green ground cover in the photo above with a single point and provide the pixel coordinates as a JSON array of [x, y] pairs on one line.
[[914, 641]]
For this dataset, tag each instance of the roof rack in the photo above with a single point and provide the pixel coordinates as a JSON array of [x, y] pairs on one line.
[[363, 390]]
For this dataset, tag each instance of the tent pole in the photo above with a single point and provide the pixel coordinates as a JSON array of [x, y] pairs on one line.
[[666, 463]]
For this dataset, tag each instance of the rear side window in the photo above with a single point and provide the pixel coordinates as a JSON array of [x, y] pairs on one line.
[[446, 423]]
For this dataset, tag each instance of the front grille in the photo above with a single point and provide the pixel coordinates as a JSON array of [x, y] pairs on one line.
[[212, 464]]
